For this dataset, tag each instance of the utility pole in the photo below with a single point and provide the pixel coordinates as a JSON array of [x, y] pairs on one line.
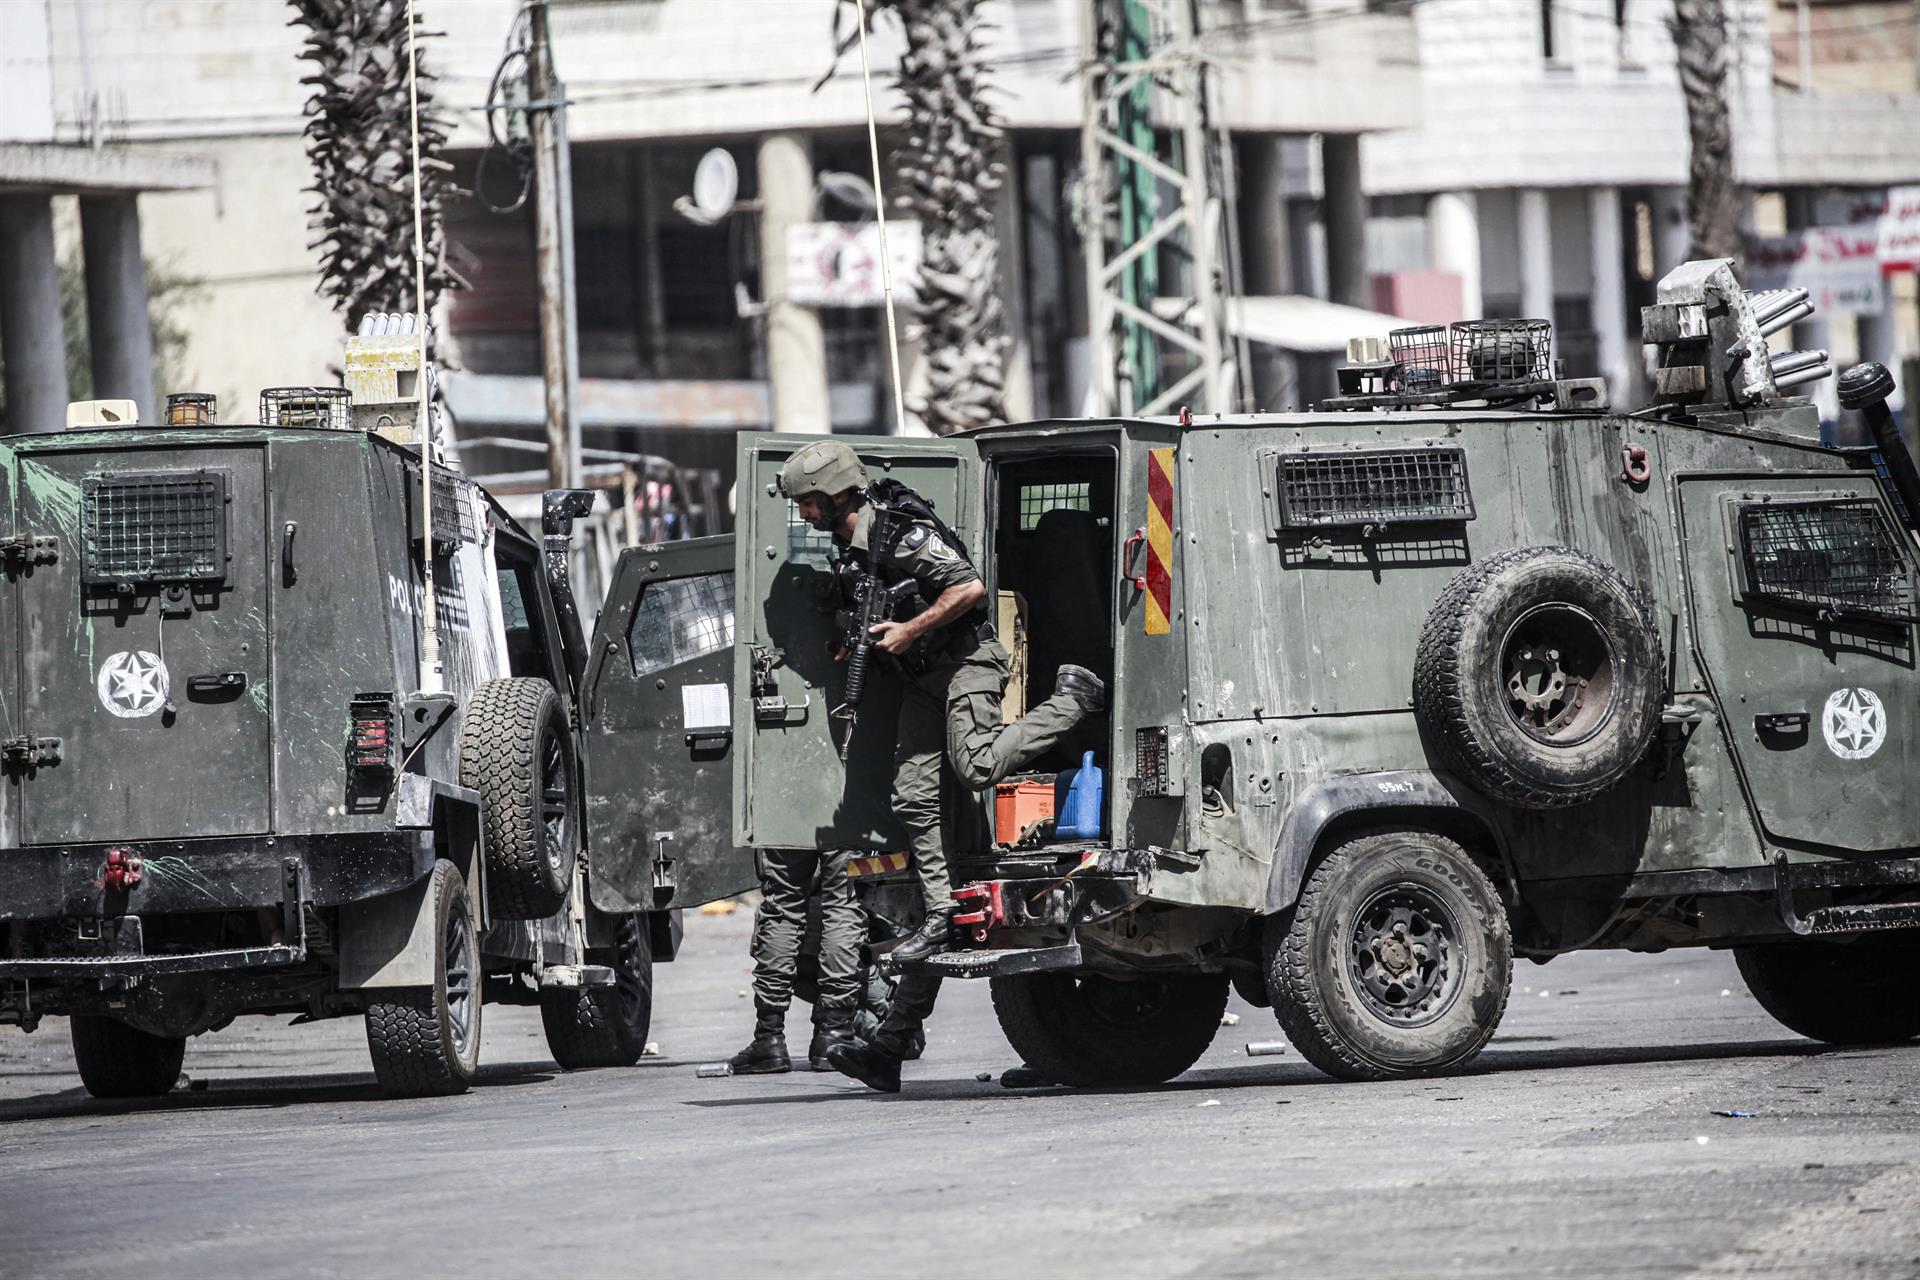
[[1145, 138], [553, 244]]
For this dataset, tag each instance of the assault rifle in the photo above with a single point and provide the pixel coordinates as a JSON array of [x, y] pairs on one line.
[[871, 603]]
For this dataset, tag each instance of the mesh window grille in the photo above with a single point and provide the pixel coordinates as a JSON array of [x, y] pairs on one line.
[[1373, 486], [1839, 558], [155, 526], [680, 619], [1038, 499]]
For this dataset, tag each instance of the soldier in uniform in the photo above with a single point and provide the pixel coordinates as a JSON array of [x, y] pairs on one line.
[[787, 878], [954, 671]]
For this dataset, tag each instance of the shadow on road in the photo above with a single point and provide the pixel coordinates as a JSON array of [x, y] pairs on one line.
[[1294, 1075], [258, 1094]]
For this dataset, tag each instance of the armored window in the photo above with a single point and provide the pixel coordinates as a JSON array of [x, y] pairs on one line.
[[155, 526], [806, 544], [680, 619], [1840, 559], [1038, 499], [1373, 487]]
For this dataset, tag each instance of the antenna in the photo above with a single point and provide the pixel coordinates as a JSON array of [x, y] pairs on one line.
[[430, 613], [879, 212]]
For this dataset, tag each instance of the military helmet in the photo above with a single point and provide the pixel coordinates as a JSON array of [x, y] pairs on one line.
[[823, 466]]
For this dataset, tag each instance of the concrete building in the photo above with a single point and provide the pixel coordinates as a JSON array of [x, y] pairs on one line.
[[676, 317], [1548, 173], [97, 186]]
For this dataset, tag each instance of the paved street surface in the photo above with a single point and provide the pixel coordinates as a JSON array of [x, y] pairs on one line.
[[1583, 1143]]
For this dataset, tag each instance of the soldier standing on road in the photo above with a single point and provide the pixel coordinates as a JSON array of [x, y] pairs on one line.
[[954, 672], [786, 880]]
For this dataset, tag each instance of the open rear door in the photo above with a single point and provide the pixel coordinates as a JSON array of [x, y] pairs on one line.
[[657, 731], [791, 790]]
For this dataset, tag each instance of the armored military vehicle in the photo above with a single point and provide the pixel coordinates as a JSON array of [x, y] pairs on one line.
[[1459, 666], [228, 787]]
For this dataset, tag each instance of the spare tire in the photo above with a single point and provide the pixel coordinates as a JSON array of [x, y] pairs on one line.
[[515, 750], [1539, 678]]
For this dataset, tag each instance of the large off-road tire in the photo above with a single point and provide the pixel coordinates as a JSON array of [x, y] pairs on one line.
[[1395, 961], [1842, 991], [119, 1061], [1092, 1031], [516, 752], [605, 1026], [1539, 676], [425, 1041]]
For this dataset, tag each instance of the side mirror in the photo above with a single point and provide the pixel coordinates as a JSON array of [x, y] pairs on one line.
[[559, 508]]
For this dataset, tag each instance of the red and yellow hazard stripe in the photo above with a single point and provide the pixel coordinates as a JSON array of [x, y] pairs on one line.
[[1159, 610], [878, 865]]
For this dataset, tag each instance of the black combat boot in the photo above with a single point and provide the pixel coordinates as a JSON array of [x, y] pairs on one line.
[[767, 1054], [1080, 684], [929, 939], [832, 1025], [869, 1062]]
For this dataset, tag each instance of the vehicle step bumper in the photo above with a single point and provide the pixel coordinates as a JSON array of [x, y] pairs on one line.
[[66, 967], [999, 964], [1870, 918]]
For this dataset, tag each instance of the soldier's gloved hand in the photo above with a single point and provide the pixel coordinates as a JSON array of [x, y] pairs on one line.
[[891, 637]]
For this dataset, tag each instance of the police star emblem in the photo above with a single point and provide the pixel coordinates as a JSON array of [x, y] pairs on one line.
[[133, 683], [1854, 723]]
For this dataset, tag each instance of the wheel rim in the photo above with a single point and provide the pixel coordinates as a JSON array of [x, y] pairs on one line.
[[459, 976], [1557, 671], [1405, 955], [555, 813], [628, 986]]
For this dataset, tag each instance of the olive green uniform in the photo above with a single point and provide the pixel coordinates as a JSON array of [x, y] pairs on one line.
[[951, 705], [780, 925]]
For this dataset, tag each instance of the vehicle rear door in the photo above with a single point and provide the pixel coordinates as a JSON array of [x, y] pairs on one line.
[[1801, 593], [144, 642], [657, 731], [791, 788]]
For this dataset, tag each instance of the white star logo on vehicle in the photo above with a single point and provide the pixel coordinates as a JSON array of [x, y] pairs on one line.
[[1854, 722], [133, 684]]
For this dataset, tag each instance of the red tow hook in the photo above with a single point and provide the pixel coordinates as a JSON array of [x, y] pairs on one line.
[[980, 908], [122, 871]]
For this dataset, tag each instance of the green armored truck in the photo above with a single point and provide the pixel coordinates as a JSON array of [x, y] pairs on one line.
[[1458, 667], [230, 787]]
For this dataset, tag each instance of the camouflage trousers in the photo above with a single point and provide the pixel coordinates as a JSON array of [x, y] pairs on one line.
[[780, 925], [953, 712]]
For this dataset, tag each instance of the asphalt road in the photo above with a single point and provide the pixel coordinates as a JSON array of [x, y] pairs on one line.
[[1584, 1143]]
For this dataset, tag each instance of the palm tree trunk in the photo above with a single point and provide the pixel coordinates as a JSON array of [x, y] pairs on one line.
[[951, 171], [1699, 30], [360, 144]]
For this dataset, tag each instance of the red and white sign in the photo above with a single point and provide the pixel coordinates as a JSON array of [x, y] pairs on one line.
[[1839, 267], [837, 264], [1899, 238]]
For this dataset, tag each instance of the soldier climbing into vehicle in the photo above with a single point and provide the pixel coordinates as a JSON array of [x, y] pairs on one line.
[[953, 670]]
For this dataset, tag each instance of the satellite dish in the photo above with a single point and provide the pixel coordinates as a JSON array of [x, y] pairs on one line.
[[716, 184]]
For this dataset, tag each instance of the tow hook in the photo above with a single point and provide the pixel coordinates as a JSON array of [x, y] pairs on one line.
[[122, 871]]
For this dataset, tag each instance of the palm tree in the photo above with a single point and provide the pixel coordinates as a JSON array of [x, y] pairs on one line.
[[359, 142], [951, 172], [1699, 30]]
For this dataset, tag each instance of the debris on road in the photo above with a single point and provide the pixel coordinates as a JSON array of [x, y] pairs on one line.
[[983, 1076], [1023, 1077], [711, 1070], [1266, 1048], [651, 1049], [1737, 1115], [1210, 1102], [1229, 1019]]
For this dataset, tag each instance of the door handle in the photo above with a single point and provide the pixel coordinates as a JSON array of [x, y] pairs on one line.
[[216, 684], [1781, 722], [287, 570], [1127, 553]]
